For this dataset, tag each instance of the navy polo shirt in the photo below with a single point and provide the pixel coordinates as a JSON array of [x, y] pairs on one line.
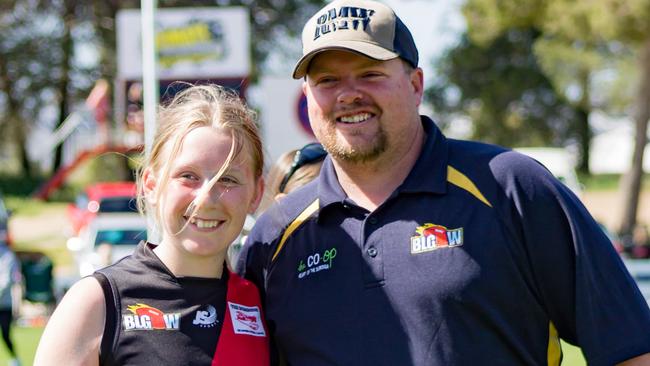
[[480, 257]]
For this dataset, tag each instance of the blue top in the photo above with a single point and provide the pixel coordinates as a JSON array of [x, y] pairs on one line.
[[9, 275], [480, 256]]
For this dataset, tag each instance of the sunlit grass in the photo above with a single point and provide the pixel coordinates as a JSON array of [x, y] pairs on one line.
[[25, 341]]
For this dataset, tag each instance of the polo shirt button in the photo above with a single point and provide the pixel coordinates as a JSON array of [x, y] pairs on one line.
[[372, 220], [372, 251]]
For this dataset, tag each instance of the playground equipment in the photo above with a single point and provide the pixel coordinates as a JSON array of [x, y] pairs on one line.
[[87, 133]]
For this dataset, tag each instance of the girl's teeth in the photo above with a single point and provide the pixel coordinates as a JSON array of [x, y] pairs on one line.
[[206, 223]]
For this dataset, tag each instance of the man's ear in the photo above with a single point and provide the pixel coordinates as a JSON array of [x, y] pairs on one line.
[[149, 184], [259, 192], [417, 81]]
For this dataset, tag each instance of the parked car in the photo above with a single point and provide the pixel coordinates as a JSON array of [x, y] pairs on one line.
[[559, 162], [106, 239], [101, 198], [4, 222]]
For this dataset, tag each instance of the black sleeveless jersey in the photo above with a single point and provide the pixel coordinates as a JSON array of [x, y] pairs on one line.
[[155, 318]]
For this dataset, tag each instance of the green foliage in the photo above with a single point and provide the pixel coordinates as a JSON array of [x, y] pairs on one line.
[[41, 78], [599, 182], [19, 185], [271, 22], [629, 20], [608, 182], [30, 207], [503, 90], [108, 167], [488, 19]]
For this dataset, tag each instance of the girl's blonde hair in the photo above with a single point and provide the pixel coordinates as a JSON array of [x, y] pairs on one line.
[[303, 175], [194, 107]]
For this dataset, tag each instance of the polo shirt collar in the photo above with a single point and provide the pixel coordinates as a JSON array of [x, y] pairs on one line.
[[433, 159], [429, 174]]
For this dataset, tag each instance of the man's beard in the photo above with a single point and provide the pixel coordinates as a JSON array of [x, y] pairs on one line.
[[346, 153]]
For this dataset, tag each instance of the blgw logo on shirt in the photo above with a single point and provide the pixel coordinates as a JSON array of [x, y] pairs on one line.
[[431, 237], [145, 317]]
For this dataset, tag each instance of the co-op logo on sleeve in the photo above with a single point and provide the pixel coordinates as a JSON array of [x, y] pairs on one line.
[[431, 237]]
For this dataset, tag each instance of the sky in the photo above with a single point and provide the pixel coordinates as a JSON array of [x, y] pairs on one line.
[[435, 25]]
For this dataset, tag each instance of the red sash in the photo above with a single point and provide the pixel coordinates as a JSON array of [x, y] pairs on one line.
[[244, 339]]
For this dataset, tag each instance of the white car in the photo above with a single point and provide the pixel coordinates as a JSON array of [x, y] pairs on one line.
[[108, 238]]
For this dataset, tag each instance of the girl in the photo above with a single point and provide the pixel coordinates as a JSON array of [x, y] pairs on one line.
[[176, 303]]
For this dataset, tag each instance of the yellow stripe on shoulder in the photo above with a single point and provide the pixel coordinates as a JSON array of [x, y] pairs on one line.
[[554, 352], [313, 207], [459, 179]]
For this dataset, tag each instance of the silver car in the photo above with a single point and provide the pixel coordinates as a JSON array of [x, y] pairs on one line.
[[107, 239]]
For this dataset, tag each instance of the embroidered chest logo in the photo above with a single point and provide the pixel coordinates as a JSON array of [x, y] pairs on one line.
[[145, 317], [206, 318], [431, 237], [246, 319], [316, 262]]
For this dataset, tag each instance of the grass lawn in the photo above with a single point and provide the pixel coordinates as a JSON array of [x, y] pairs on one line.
[[25, 340]]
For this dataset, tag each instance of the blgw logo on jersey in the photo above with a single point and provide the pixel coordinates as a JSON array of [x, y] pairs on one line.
[[246, 319], [431, 237], [145, 317]]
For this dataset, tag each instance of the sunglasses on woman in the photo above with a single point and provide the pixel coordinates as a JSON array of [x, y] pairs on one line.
[[308, 154]]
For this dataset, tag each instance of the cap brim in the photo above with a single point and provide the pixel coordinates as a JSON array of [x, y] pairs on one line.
[[363, 48]]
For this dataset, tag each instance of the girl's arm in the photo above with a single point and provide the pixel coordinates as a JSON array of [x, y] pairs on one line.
[[74, 332]]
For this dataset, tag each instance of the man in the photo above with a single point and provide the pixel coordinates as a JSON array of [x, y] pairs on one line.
[[414, 249]]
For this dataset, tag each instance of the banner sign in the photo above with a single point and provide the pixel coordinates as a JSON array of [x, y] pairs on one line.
[[191, 43]]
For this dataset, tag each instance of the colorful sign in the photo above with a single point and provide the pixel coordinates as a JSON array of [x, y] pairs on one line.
[[192, 43]]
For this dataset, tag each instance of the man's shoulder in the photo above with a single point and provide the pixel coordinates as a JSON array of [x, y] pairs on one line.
[[277, 217], [499, 172], [499, 162]]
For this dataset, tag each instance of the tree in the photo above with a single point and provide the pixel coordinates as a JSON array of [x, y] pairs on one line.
[[628, 22], [504, 91], [571, 49], [587, 29], [25, 73], [272, 23], [39, 70]]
